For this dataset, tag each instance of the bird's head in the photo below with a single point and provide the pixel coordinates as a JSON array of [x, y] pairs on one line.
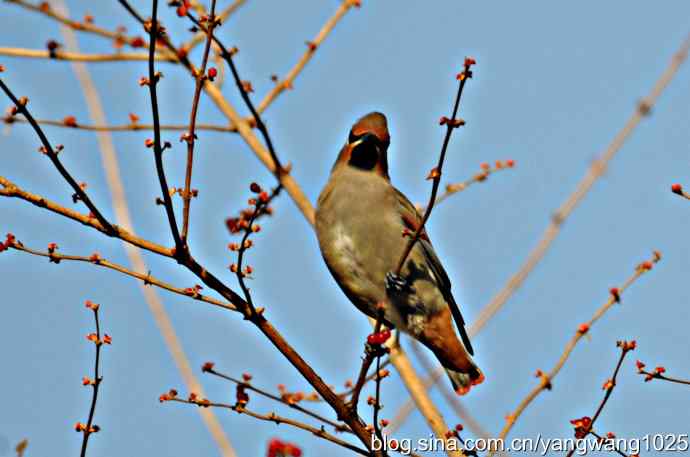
[[367, 145]]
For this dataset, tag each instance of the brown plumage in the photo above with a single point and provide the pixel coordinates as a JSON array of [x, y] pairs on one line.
[[360, 220]]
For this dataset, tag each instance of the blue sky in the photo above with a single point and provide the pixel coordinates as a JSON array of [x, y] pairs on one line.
[[553, 84]]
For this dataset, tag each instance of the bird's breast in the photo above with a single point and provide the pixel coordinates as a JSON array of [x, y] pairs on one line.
[[359, 231]]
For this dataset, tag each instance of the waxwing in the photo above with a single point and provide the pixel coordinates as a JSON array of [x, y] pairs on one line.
[[360, 221]]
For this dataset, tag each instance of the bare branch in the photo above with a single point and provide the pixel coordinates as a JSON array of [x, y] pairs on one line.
[[9, 189], [596, 170], [585, 425], [82, 57], [191, 134], [273, 417], [90, 428], [199, 37], [154, 32], [53, 156], [147, 278], [547, 378], [290, 402], [131, 127], [45, 9], [312, 46], [658, 373], [483, 175], [435, 175]]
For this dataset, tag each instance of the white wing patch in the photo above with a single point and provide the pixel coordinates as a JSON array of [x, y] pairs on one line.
[[345, 247]]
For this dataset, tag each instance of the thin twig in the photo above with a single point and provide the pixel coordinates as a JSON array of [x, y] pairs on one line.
[[157, 145], [483, 175], [83, 57], [372, 350], [131, 127], [95, 383], [45, 9], [227, 56], [547, 378], [199, 37], [10, 189], [585, 426], [658, 374], [53, 156], [451, 124], [147, 278], [377, 399], [273, 417], [313, 45], [596, 170], [339, 427], [348, 392], [260, 208], [191, 134]]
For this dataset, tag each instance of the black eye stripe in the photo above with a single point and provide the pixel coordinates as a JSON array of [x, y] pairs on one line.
[[352, 138]]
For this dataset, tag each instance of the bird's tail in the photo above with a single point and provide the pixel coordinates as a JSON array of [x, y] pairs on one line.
[[464, 381]]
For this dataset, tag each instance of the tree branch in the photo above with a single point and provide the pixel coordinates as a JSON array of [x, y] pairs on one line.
[[595, 171], [273, 417], [191, 134], [435, 174], [52, 155], [9, 189], [82, 57], [148, 279], [583, 329], [154, 77], [585, 425]]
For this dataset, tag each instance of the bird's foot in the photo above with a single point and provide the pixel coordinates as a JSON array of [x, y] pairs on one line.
[[397, 284]]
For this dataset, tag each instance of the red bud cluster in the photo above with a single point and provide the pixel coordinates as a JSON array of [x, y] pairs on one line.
[[278, 448], [193, 291], [260, 207], [182, 8], [169, 395], [627, 345], [615, 293], [9, 241], [79, 427], [137, 42], [582, 426]]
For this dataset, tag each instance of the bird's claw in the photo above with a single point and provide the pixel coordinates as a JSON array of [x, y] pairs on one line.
[[397, 284]]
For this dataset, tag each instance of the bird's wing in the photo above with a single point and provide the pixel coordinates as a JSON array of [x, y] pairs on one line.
[[412, 221]]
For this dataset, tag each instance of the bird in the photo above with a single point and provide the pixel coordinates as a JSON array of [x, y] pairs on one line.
[[361, 221]]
